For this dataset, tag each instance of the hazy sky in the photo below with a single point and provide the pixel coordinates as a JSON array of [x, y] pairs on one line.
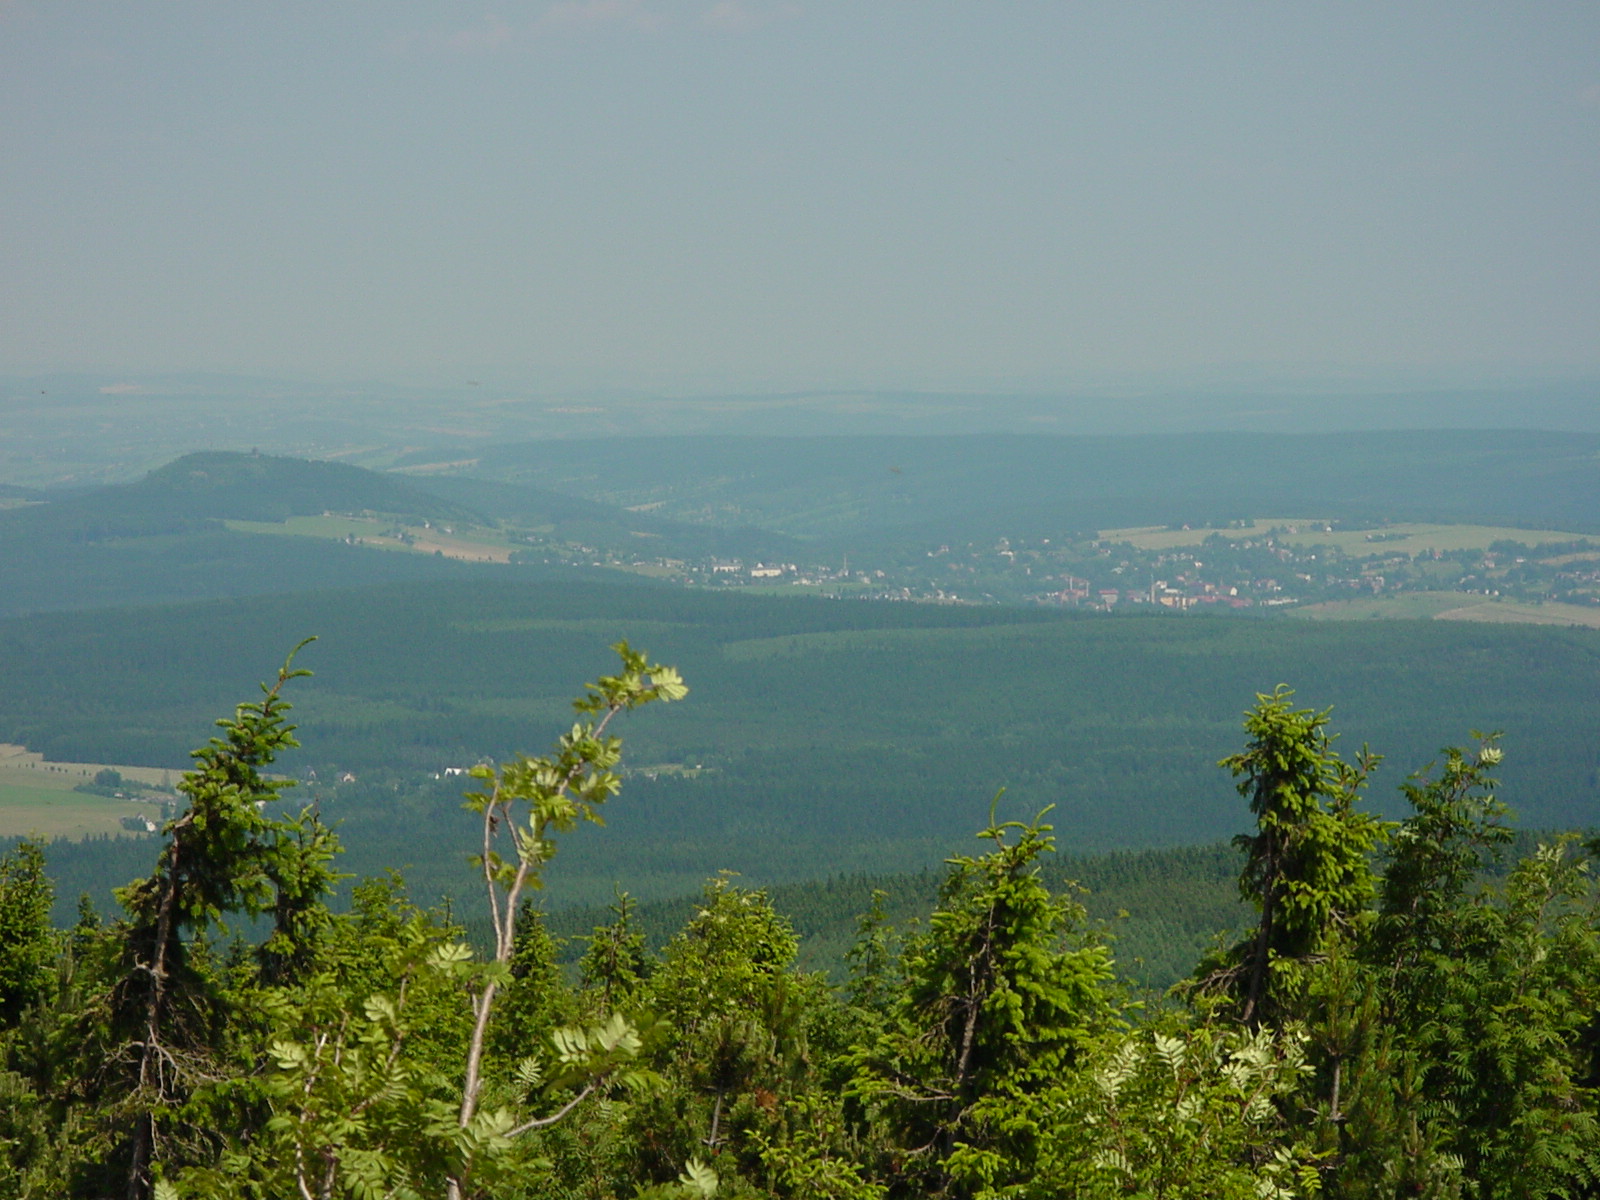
[[782, 195]]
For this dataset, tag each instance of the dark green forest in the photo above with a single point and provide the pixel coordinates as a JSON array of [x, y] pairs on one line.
[[825, 737], [1162, 907], [1402, 1007]]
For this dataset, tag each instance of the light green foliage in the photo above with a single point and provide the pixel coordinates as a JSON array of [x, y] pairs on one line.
[[1308, 871], [529, 800], [816, 1155], [399, 1089], [526, 802], [1490, 991], [216, 858], [1173, 1111], [616, 966], [358, 1056], [874, 958], [28, 945], [1448, 1022], [1457, 829], [734, 1040], [1428, 1033], [536, 1000], [697, 1182], [725, 962], [1003, 994], [170, 1009], [29, 952]]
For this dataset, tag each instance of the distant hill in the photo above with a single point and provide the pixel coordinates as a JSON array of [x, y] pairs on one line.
[[258, 487], [162, 538], [198, 489], [876, 488], [606, 525]]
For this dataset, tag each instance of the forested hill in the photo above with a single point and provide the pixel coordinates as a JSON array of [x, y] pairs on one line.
[[166, 537], [256, 487], [163, 538], [950, 487], [212, 524], [217, 485]]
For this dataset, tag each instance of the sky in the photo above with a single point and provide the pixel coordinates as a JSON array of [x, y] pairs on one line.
[[779, 195]]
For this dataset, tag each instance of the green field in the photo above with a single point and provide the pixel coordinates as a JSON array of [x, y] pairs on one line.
[[47, 806], [1507, 612], [1448, 606], [467, 543], [1395, 606], [37, 797], [1410, 539]]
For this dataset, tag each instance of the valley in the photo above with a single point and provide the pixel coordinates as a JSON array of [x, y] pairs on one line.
[[1050, 639]]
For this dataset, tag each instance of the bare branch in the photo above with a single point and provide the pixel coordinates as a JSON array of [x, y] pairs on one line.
[[544, 1122]]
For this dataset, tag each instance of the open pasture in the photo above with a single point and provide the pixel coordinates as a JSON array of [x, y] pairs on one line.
[[1511, 612], [464, 543], [1408, 539], [1392, 606], [36, 796], [1448, 606]]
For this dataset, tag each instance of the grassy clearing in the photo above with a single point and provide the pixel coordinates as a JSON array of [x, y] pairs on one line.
[[36, 797], [1159, 537], [467, 543], [1448, 606], [1509, 612], [1410, 539], [26, 812], [1399, 606]]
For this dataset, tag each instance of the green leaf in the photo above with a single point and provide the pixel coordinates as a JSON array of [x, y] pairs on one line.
[[699, 1178]]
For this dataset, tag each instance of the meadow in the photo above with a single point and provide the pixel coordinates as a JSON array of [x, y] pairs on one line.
[[1448, 606], [466, 543], [1409, 538], [37, 797]]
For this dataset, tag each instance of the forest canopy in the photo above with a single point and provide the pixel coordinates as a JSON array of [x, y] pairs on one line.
[[1408, 1013]]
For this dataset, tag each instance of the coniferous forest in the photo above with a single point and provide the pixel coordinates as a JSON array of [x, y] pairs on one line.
[[1111, 494], [1410, 1009]]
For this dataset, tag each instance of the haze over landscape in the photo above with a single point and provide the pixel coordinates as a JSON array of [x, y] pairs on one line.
[[782, 196], [982, 407]]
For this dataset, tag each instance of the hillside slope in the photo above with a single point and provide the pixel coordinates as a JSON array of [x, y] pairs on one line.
[[162, 538]]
